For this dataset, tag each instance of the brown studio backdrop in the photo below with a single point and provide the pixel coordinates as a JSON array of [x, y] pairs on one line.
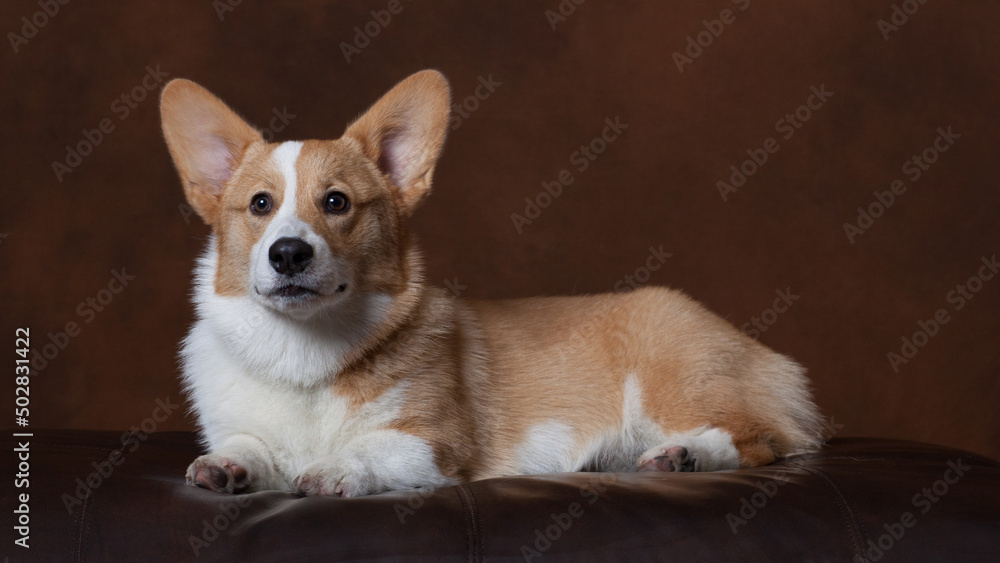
[[121, 206]]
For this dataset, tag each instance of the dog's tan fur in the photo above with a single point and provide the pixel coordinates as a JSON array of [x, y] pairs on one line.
[[480, 374]]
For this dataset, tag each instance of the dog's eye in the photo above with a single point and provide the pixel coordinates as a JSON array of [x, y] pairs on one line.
[[336, 202], [260, 204]]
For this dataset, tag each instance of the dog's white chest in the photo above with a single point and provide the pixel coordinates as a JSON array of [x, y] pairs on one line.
[[296, 424]]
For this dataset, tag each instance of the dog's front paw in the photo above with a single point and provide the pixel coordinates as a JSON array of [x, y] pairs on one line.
[[331, 480], [218, 473], [677, 458]]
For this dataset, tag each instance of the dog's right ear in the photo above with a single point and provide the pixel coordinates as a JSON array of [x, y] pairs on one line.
[[206, 139]]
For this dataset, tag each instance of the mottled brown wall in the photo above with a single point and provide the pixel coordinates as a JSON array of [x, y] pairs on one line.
[[655, 185]]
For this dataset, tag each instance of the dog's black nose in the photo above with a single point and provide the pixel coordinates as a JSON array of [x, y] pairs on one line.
[[290, 256]]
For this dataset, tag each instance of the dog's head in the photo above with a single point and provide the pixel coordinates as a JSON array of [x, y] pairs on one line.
[[301, 225]]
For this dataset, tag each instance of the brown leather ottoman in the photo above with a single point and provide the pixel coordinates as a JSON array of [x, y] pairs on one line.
[[104, 496]]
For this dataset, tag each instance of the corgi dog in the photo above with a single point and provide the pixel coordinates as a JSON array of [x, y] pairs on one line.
[[322, 363]]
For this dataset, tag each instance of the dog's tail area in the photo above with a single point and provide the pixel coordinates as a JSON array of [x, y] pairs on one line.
[[792, 413]]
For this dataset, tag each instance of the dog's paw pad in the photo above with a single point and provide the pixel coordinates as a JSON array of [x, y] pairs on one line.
[[319, 484], [219, 474], [677, 458]]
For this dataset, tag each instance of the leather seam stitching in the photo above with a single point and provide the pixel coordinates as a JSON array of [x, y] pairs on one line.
[[84, 525], [854, 511], [854, 527], [459, 490], [477, 523]]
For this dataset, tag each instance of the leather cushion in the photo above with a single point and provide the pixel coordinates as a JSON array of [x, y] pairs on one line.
[[838, 505]]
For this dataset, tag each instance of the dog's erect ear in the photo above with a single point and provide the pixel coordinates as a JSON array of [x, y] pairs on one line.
[[207, 141], [404, 131]]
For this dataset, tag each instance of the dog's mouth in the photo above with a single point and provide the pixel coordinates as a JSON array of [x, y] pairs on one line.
[[292, 291]]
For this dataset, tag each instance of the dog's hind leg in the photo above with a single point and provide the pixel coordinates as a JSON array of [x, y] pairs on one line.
[[700, 449]]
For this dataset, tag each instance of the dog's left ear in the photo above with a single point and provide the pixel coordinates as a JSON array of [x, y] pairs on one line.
[[404, 131]]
